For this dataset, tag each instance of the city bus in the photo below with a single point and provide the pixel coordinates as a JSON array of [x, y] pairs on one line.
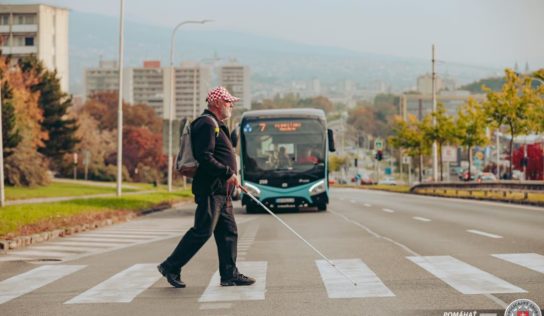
[[283, 158]]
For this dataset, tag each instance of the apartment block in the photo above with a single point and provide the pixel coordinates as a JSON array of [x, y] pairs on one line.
[[104, 78], [145, 85], [235, 77], [192, 83], [37, 29]]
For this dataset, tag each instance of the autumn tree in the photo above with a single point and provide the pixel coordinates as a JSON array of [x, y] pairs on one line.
[[54, 103], [471, 127], [26, 166], [409, 136], [443, 132], [511, 107]]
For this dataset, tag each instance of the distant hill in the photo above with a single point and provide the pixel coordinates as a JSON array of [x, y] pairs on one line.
[[273, 62], [494, 84]]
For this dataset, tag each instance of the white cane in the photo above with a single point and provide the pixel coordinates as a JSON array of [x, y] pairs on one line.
[[296, 234]]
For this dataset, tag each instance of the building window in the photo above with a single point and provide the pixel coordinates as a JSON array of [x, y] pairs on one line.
[[29, 41], [4, 19], [25, 19]]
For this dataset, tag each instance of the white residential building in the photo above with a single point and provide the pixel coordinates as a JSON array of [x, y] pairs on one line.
[[37, 29], [104, 78], [192, 83], [235, 78], [145, 85]]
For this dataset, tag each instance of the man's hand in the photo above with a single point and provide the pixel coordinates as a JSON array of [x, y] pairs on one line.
[[232, 182]]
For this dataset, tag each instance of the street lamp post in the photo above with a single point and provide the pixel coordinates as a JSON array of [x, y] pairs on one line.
[[2, 193], [172, 96]]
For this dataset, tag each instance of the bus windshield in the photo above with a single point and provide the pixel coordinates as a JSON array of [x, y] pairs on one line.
[[283, 145]]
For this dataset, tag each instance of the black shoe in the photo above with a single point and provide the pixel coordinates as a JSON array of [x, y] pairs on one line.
[[173, 278], [239, 279]]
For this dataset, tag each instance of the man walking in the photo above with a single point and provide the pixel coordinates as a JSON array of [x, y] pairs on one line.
[[213, 184]]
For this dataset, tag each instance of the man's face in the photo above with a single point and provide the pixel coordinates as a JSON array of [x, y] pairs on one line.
[[225, 108]]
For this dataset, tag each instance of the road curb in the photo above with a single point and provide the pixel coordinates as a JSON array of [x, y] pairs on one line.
[[23, 241]]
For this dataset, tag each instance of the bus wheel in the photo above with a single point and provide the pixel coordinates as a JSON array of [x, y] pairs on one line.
[[322, 207]]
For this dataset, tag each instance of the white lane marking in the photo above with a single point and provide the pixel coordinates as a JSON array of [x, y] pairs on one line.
[[217, 293], [463, 277], [481, 233], [122, 287], [423, 219], [532, 261], [368, 205], [31, 253], [368, 284], [29, 281], [104, 240], [85, 244], [126, 236], [208, 306], [353, 201], [66, 249], [388, 210]]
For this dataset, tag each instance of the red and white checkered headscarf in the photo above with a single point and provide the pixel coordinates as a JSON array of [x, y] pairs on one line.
[[220, 93]]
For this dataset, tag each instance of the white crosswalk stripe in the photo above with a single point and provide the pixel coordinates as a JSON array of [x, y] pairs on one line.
[[531, 261], [31, 280], [463, 277], [338, 286], [217, 293], [122, 287]]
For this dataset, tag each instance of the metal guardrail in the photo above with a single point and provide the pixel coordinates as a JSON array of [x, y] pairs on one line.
[[520, 186]]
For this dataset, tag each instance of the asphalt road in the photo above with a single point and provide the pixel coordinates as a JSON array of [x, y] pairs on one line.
[[409, 255]]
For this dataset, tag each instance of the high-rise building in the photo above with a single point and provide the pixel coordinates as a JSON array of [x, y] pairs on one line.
[[37, 29], [104, 78], [235, 78], [145, 85], [192, 83]]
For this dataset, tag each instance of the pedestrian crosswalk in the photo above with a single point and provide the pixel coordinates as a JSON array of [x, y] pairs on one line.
[[124, 235], [129, 283]]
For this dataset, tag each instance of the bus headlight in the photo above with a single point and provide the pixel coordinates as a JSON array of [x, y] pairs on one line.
[[317, 188], [253, 190]]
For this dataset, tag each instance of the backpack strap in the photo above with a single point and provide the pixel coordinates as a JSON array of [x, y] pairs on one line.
[[217, 129]]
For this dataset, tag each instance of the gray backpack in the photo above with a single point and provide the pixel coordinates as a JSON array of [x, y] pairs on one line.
[[186, 164]]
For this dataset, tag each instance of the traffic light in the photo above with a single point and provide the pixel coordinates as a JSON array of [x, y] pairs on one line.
[[379, 155]]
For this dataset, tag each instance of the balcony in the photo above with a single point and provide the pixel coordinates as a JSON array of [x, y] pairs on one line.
[[24, 28], [19, 50]]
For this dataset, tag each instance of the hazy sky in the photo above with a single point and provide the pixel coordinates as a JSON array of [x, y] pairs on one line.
[[486, 32]]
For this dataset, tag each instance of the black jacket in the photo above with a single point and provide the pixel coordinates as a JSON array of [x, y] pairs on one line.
[[214, 152]]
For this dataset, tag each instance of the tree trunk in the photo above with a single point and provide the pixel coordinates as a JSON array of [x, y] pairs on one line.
[[441, 162], [469, 162], [420, 166], [511, 146]]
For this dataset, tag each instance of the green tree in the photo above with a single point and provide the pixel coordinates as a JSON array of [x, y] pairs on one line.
[[471, 127], [337, 162], [10, 133], [511, 107], [443, 132], [537, 110], [55, 104]]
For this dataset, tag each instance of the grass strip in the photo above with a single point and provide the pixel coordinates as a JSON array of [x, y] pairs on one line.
[[59, 189], [18, 220]]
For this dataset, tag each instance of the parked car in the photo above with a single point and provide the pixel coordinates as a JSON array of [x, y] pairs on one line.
[[388, 181], [486, 177]]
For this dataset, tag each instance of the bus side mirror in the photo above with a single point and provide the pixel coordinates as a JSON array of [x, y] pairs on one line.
[[330, 138], [234, 136]]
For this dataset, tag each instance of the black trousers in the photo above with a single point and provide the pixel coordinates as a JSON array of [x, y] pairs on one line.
[[214, 214]]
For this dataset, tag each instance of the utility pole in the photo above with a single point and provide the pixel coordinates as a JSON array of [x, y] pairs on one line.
[[498, 154], [120, 103], [435, 146]]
